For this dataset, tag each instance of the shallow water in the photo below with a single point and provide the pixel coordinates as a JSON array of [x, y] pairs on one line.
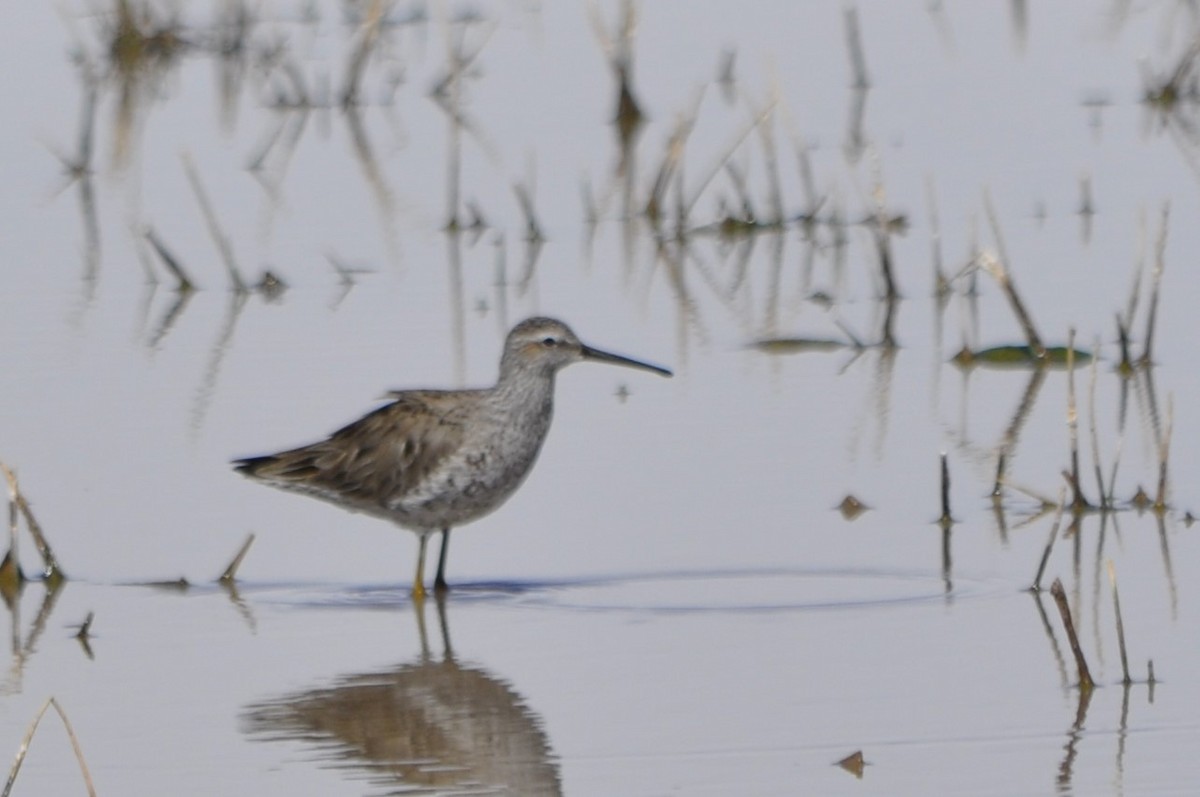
[[672, 603]]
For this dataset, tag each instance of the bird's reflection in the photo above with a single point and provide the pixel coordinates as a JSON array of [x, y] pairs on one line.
[[431, 726]]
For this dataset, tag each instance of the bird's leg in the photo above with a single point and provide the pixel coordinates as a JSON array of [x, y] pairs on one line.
[[418, 585], [439, 583]]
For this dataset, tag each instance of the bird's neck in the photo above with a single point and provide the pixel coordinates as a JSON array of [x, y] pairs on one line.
[[526, 389]]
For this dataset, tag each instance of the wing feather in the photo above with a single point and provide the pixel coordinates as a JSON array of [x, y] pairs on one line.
[[376, 459]]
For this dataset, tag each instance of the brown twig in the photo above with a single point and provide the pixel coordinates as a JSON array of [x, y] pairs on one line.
[[1058, 515], [1164, 453], [1105, 502], [995, 266], [214, 227], [1077, 500], [1060, 599], [1160, 249], [183, 283], [53, 573], [24, 748], [1112, 578], [231, 572], [946, 518]]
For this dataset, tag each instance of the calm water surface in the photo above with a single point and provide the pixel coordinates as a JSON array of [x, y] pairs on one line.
[[673, 602]]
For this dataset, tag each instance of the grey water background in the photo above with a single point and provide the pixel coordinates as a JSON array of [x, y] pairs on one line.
[[672, 603]]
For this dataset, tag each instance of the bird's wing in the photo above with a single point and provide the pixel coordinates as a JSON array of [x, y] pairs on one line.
[[381, 456]]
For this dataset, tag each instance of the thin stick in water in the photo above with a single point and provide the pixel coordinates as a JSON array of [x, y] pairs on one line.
[[1164, 452], [231, 572], [1058, 515], [1112, 578], [24, 748], [1077, 499], [995, 266], [53, 574], [183, 282], [858, 63], [214, 228], [946, 518], [1160, 249], [1105, 503], [1060, 599]]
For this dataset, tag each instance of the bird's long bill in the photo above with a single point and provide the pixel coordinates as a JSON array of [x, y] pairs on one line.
[[606, 357]]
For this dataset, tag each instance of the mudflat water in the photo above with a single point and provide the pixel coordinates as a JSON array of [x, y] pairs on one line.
[[806, 210]]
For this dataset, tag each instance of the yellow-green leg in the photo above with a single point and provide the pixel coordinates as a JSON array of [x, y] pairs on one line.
[[418, 585], [439, 583]]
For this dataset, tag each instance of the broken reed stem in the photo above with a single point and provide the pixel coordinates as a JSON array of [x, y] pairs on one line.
[[858, 63], [1058, 516], [183, 283], [53, 573], [995, 266], [24, 748], [231, 572], [1077, 499], [1160, 249], [85, 630], [11, 576], [940, 284], [766, 134], [358, 58], [1105, 503], [719, 166], [1125, 365], [676, 145], [214, 228], [945, 519], [1112, 578], [1164, 451], [1060, 599], [533, 230]]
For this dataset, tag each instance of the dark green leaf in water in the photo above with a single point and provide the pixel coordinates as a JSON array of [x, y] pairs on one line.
[[797, 345], [1019, 357]]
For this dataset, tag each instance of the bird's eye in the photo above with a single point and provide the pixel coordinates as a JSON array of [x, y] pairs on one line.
[[549, 342]]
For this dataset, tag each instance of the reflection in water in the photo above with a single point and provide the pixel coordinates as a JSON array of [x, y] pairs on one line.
[[430, 726], [22, 650]]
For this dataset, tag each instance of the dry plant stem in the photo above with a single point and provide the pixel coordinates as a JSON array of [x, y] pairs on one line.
[[1112, 578], [1060, 600], [940, 283], [214, 228], [858, 63], [990, 211], [676, 145], [945, 519], [183, 283], [1058, 516], [231, 572], [1105, 501], [1077, 499], [24, 748], [1160, 249], [533, 230], [358, 58], [724, 159], [996, 268], [1164, 452], [1125, 365], [85, 630], [53, 572]]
